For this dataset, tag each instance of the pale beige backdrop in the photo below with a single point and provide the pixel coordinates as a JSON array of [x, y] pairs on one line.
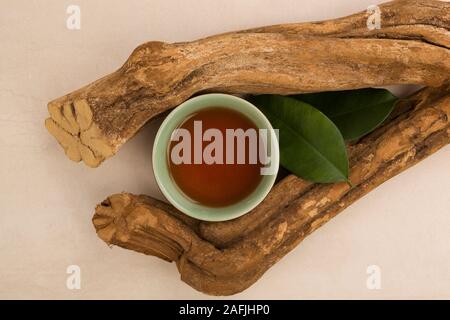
[[47, 201]]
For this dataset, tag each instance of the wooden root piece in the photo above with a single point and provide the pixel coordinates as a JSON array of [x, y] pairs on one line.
[[226, 258], [412, 47]]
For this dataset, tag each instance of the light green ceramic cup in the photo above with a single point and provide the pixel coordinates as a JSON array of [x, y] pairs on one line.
[[160, 158]]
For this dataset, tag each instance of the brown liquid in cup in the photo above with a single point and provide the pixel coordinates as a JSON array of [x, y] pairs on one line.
[[216, 185]]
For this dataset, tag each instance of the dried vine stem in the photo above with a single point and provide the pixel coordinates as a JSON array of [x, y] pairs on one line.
[[400, 20], [92, 123], [215, 267]]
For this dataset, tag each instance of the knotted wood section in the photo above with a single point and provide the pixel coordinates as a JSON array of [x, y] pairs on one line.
[[227, 257], [412, 47]]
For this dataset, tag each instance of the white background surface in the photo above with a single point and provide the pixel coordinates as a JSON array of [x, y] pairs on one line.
[[47, 201]]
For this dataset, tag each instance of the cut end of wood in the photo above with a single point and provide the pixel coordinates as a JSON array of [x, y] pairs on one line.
[[72, 126], [121, 219], [106, 213]]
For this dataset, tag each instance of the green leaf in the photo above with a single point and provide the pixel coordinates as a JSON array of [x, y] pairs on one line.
[[355, 112], [311, 145]]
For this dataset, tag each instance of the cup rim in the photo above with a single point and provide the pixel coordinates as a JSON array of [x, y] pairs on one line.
[[168, 186]]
